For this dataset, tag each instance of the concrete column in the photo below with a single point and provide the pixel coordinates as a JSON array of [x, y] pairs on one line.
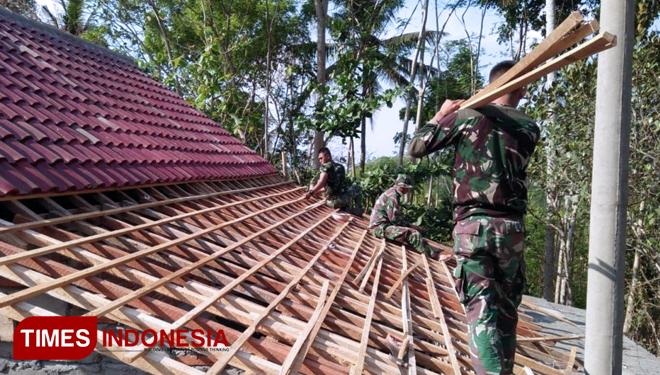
[[609, 194]]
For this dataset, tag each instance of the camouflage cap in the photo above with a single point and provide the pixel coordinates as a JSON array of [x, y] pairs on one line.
[[404, 180]]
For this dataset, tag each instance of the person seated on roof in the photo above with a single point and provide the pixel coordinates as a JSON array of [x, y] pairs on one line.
[[389, 222], [332, 182]]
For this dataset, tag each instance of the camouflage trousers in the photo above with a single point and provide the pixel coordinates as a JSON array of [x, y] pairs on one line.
[[490, 275], [352, 197], [403, 235]]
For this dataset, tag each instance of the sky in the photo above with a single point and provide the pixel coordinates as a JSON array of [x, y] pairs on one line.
[[386, 122]]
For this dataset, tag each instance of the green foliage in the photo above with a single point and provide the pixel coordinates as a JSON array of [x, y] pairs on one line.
[[79, 18], [454, 81], [436, 221], [27, 8]]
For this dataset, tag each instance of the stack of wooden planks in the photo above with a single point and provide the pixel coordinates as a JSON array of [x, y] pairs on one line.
[[541, 60]]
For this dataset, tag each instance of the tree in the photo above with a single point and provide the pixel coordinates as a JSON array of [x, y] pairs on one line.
[[221, 55], [27, 8], [78, 18], [359, 26]]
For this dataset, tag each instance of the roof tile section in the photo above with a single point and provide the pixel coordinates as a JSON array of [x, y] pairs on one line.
[[74, 117]]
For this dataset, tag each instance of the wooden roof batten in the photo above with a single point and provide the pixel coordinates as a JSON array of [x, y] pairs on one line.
[[248, 257]]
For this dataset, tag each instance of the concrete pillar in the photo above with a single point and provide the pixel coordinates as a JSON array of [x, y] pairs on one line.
[[609, 194]]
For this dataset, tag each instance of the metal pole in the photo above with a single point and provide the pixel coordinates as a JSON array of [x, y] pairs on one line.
[[609, 194]]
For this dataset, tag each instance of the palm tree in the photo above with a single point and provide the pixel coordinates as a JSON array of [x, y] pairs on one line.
[[382, 60], [72, 20]]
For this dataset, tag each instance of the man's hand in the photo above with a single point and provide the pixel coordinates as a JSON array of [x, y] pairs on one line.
[[442, 258], [448, 107]]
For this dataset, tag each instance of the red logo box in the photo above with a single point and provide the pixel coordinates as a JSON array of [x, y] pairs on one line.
[[55, 337]]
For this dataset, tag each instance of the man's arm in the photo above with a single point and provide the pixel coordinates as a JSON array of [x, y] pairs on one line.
[[437, 133], [320, 184]]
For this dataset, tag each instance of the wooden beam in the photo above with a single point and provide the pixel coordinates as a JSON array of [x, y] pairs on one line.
[[367, 266], [364, 342], [406, 317], [400, 280], [40, 222], [39, 289], [531, 60], [100, 237], [598, 44], [550, 339], [376, 257], [297, 362], [209, 301], [437, 310], [571, 361], [235, 346], [304, 335]]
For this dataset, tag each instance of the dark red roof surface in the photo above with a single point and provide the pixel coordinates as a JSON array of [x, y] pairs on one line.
[[75, 116]]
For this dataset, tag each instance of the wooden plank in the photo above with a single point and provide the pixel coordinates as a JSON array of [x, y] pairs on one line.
[[364, 341], [183, 271], [406, 317], [598, 44], [437, 310], [128, 316], [224, 359], [531, 60], [50, 249], [530, 305], [550, 339], [105, 190], [571, 361], [39, 289], [40, 222], [297, 346], [367, 265], [400, 280], [295, 367], [209, 301], [376, 258]]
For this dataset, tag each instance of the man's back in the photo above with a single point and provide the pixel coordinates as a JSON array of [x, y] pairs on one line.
[[493, 146], [387, 209], [336, 178]]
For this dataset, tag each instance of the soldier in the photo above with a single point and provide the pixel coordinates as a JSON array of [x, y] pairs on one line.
[[387, 220], [332, 181], [493, 146]]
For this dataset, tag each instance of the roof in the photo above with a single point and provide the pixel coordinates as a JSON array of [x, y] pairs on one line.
[[76, 116], [561, 320], [287, 283]]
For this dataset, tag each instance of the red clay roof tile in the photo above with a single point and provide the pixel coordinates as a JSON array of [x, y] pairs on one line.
[[75, 116]]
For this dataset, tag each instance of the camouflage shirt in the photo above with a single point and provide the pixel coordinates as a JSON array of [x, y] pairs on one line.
[[493, 146], [387, 210], [336, 184]]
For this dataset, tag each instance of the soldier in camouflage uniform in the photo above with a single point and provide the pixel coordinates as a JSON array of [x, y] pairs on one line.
[[493, 145], [387, 220], [332, 181]]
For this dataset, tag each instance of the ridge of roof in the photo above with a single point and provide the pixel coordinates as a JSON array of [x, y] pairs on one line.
[[64, 35]]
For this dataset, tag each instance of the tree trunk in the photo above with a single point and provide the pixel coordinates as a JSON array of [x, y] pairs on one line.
[[634, 282], [413, 70], [266, 109], [351, 155], [363, 145], [630, 301], [321, 7], [428, 198]]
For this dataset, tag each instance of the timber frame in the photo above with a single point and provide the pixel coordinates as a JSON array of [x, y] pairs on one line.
[[293, 290]]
